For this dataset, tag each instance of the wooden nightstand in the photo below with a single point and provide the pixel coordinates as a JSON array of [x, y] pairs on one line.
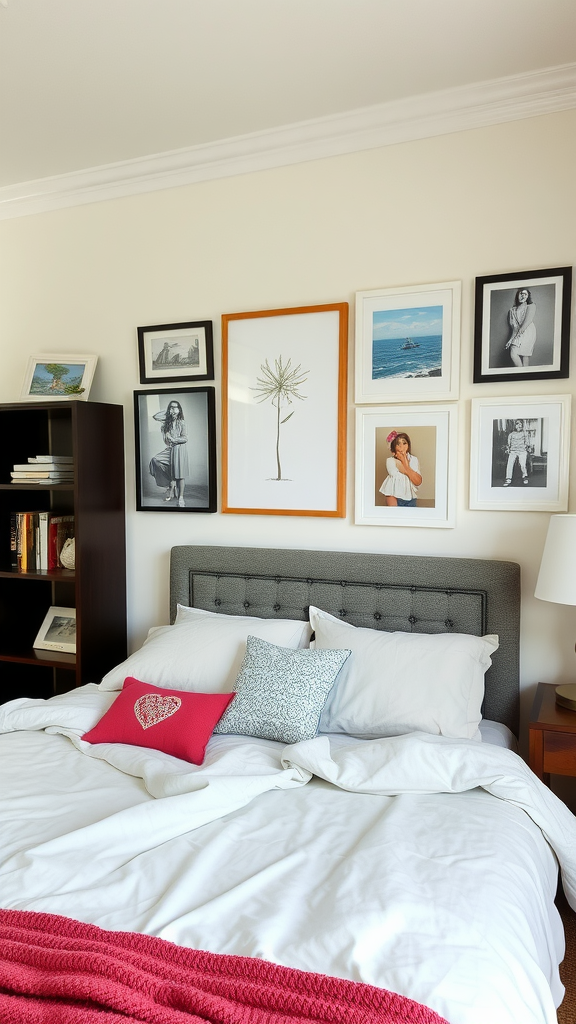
[[552, 735]]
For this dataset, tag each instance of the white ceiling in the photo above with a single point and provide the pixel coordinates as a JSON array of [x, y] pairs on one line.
[[85, 83]]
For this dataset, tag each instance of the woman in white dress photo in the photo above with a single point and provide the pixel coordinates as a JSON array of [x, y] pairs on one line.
[[521, 319], [170, 467]]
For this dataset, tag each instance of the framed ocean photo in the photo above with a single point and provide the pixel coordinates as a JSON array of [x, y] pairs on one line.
[[408, 343]]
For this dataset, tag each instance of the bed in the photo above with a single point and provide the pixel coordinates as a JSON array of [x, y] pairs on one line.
[[419, 863]]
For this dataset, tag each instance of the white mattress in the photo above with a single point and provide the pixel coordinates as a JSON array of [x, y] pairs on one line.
[[444, 897]]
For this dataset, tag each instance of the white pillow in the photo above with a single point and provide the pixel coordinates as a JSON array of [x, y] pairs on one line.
[[202, 651], [395, 683]]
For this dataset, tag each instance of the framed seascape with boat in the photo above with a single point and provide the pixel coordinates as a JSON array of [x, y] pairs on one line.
[[408, 343]]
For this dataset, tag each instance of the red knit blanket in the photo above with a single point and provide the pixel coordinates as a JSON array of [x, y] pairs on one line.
[[57, 971]]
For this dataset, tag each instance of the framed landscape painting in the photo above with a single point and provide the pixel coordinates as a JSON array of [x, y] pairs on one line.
[[57, 377], [406, 465], [284, 411], [408, 343], [522, 326], [169, 353], [520, 448]]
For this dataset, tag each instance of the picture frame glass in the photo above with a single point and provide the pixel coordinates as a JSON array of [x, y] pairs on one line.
[[58, 631]]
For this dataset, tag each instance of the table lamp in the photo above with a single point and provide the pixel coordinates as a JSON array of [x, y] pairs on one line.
[[557, 580]]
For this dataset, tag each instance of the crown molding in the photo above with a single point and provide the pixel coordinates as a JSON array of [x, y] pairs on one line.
[[416, 117]]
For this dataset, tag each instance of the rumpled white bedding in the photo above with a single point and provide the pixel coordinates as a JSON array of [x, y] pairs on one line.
[[302, 855]]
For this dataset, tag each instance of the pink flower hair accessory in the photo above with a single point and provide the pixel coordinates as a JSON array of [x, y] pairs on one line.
[[392, 436]]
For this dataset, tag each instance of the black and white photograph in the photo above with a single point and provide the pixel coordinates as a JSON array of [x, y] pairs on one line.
[[172, 353], [175, 450], [520, 452], [405, 465], [522, 326], [58, 630]]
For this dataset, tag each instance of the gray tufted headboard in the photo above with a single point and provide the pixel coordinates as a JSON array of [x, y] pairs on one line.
[[412, 593]]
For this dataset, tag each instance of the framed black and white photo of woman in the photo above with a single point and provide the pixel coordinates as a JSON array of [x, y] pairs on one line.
[[522, 326], [174, 353], [175, 450]]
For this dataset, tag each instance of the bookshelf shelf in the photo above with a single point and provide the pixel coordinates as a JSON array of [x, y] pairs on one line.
[[91, 433]]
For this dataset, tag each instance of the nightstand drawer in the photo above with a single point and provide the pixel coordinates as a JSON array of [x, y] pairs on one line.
[[559, 753]]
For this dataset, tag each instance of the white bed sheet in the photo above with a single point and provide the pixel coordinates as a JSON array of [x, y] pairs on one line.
[[355, 884]]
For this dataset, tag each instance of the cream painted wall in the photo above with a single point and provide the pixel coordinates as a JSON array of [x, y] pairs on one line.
[[486, 201]]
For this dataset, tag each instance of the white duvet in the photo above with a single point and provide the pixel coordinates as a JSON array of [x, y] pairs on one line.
[[420, 864]]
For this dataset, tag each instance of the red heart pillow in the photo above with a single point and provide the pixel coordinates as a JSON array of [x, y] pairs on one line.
[[173, 721]]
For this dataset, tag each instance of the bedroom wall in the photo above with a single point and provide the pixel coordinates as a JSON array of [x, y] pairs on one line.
[[479, 202]]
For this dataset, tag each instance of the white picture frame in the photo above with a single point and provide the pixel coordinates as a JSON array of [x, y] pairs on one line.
[[58, 630], [519, 454], [408, 343], [43, 384], [433, 431]]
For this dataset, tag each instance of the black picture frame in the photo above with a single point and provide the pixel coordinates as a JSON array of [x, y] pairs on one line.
[[159, 488], [546, 354], [193, 359]]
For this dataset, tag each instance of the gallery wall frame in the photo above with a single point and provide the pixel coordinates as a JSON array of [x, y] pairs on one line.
[[432, 431], [284, 377], [515, 340], [174, 353], [408, 343], [519, 455], [58, 376], [175, 435]]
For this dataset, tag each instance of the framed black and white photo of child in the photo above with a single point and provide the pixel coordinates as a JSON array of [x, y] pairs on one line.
[[522, 326], [520, 453]]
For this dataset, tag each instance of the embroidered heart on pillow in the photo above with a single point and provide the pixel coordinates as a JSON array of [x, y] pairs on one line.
[[153, 708], [141, 705]]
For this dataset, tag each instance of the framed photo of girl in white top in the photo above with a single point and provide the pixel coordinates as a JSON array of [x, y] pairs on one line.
[[522, 326], [406, 465]]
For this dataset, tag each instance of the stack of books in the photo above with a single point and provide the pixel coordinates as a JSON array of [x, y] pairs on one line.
[[36, 540], [44, 469]]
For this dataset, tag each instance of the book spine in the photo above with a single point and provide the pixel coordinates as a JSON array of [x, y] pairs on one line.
[[42, 556], [13, 540]]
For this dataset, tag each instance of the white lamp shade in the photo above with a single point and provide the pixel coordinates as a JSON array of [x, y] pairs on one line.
[[557, 577]]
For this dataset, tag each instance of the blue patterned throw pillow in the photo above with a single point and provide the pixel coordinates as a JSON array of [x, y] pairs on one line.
[[280, 692]]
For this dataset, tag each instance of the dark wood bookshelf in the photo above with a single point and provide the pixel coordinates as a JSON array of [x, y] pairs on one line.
[[92, 434]]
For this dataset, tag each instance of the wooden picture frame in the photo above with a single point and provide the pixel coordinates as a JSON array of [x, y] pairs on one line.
[[284, 376], [45, 377], [173, 475], [520, 453], [522, 341], [408, 343], [173, 353], [433, 439]]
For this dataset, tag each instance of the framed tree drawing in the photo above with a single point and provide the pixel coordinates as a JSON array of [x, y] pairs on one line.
[[284, 411]]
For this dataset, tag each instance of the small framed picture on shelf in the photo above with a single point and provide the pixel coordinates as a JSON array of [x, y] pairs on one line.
[[175, 450], [57, 377], [522, 326], [408, 343], [520, 449], [58, 631], [169, 353], [406, 465]]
